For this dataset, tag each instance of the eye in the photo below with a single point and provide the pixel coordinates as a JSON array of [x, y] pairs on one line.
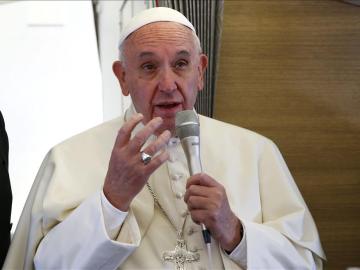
[[181, 64], [148, 67]]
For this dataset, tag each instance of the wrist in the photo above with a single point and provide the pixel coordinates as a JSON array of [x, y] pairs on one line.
[[234, 239], [117, 201]]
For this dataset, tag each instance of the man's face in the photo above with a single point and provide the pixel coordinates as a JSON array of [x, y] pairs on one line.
[[162, 71]]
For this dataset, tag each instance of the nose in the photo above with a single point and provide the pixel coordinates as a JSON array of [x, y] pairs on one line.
[[167, 80]]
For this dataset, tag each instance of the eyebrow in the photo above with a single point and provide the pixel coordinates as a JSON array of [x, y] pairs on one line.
[[145, 54], [183, 53]]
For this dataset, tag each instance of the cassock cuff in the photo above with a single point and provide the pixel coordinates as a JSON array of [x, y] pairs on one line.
[[113, 217], [239, 254]]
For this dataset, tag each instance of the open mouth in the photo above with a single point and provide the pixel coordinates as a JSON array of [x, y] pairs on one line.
[[167, 109], [168, 106]]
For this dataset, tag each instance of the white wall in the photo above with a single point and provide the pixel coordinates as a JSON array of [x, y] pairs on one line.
[[109, 32], [50, 82], [112, 16]]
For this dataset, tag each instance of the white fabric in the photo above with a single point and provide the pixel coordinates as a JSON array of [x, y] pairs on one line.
[[63, 219], [113, 217], [157, 14]]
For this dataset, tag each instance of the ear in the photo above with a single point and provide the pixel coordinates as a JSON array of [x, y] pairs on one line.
[[203, 62], [119, 72]]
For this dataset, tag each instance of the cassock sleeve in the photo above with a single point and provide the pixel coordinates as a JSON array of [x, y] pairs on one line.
[[70, 246], [287, 238], [113, 217]]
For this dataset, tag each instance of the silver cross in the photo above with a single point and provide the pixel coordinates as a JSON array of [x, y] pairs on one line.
[[180, 255]]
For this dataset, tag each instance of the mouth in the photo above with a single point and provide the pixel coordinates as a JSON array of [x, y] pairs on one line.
[[167, 109], [168, 105]]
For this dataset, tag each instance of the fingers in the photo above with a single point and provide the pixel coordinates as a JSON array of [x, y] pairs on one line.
[[140, 137], [196, 190], [156, 162], [205, 198], [158, 144], [127, 173], [202, 185], [130, 148], [124, 133], [200, 216], [154, 148], [202, 179], [197, 203]]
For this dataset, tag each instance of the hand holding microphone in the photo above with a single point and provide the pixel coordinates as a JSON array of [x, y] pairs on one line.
[[188, 130], [206, 198]]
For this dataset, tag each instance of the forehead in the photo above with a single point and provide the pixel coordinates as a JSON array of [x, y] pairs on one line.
[[160, 34]]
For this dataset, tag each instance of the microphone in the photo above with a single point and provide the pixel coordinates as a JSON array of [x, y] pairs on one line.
[[187, 128]]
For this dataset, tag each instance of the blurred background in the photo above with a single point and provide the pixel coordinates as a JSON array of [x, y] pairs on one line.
[[56, 77]]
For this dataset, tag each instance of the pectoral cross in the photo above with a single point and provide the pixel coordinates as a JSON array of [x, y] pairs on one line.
[[180, 255]]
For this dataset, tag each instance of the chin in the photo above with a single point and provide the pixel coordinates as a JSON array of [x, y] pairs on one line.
[[167, 125]]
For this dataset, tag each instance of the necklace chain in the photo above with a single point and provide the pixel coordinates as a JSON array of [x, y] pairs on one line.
[[180, 255], [153, 194]]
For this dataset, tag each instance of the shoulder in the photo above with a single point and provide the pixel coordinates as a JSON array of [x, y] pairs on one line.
[[98, 137], [231, 133], [80, 161]]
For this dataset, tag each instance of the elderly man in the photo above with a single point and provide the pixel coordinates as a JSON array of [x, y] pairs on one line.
[[101, 202]]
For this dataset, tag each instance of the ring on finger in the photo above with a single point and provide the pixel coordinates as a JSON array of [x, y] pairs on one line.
[[145, 158]]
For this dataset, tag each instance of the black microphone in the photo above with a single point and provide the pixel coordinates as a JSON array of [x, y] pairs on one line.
[[187, 128]]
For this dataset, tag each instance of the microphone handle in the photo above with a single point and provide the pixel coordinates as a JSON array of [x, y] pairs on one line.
[[191, 146]]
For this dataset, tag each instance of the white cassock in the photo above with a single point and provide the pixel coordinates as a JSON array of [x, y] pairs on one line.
[[63, 227]]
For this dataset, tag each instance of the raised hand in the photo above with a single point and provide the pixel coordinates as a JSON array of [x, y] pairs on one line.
[[127, 174]]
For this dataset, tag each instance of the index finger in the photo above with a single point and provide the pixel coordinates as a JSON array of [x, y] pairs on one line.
[[124, 133], [201, 179], [140, 137]]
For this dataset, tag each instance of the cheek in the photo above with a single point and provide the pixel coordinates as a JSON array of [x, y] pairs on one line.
[[191, 93], [142, 98]]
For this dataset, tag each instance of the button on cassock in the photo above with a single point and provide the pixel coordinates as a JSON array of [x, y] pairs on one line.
[[179, 195], [184, 213], [176, 176]]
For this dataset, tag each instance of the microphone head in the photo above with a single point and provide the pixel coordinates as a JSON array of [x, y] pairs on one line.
[[187, 124]]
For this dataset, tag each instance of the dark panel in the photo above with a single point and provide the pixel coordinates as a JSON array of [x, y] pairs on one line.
[[290, 70]]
